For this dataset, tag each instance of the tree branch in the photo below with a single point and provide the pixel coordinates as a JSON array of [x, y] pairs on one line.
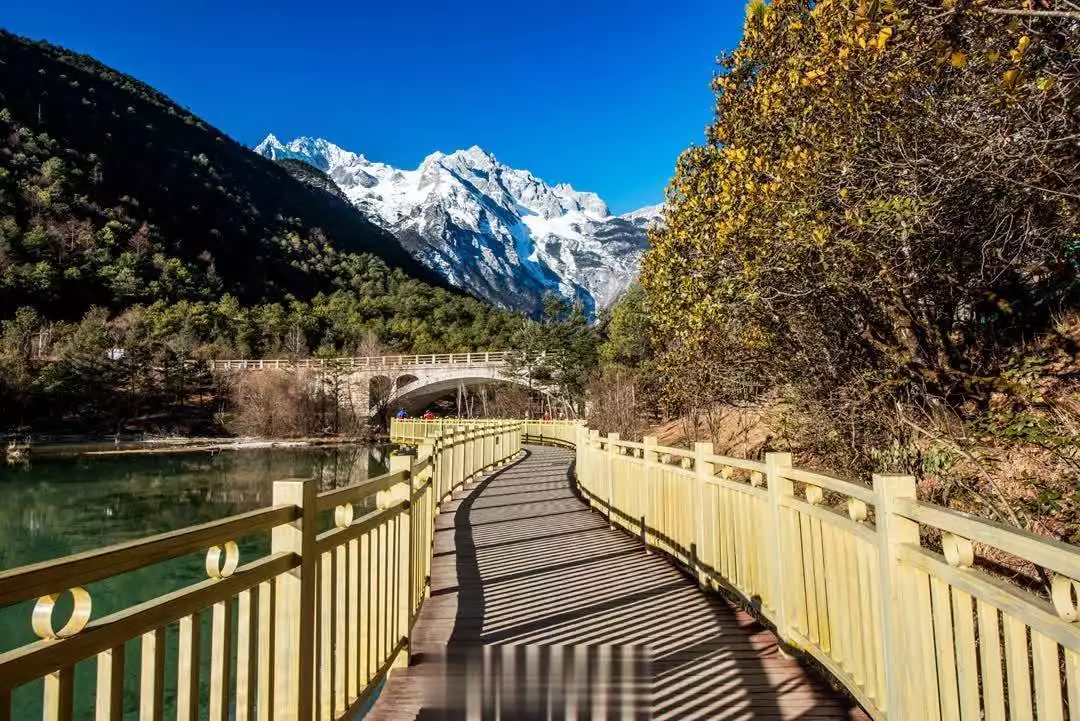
[[1036, 13]]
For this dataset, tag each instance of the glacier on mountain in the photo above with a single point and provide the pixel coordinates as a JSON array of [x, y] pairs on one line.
[[500, 233]]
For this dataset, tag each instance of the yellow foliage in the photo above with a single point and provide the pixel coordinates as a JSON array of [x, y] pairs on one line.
[[800, 147], [883, 37], [755, 11]]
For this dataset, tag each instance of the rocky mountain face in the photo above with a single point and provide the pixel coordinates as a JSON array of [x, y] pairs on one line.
[[503, 234]]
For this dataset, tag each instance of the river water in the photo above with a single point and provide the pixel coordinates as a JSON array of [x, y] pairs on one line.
[[57, 506]]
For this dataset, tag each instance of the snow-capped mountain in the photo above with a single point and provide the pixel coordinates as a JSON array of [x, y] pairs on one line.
[[503, 234]]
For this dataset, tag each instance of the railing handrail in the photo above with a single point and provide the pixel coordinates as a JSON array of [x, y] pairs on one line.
[[357, 491], [39, 579], [1061, 557], [481, 358], [41, 657]]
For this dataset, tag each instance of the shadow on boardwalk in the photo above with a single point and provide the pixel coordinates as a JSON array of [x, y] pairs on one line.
[[540, 609]]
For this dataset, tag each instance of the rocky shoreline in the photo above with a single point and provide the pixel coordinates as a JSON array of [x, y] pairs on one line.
[[20, 449]]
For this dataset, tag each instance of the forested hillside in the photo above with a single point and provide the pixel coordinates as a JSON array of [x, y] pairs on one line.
[[150, 202], [127, 222]]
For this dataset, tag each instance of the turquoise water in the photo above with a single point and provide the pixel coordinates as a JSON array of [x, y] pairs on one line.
[[58, 506]]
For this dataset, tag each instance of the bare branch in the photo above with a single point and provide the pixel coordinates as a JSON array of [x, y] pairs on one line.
[[1036, 13]]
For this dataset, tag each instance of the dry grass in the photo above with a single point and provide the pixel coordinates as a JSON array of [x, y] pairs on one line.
[[740, 431]]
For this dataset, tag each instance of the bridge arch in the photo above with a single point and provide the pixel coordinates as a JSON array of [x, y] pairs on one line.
[[384, 381], [419, 395]]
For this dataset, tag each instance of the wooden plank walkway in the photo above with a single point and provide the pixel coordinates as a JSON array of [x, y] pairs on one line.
[[537, 602]]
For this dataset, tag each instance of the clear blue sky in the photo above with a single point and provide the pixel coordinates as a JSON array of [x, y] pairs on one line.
[[598, 93]]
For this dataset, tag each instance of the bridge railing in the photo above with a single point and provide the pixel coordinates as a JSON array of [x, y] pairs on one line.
[[898, 598], [362, 363], [413, 430], [307, 630]]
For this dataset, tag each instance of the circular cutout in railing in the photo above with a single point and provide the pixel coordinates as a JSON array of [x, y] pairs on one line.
[[343, 515], [218, 568], [1065, 591], [41, 621], [958, 550]]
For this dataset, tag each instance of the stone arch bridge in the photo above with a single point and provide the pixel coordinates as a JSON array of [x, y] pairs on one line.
[[409, 381]]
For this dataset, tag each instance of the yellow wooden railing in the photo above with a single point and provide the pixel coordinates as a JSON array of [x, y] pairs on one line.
[[914, 630], [314, 626], [311, 628]]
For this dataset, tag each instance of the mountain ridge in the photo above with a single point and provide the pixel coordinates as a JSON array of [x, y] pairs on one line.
[[499, 232]]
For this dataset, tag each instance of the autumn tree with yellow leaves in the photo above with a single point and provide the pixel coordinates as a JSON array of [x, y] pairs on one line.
[[886, 207]]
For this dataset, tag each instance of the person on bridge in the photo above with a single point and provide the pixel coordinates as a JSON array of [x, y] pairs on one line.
[[401, 413], [428, 415]]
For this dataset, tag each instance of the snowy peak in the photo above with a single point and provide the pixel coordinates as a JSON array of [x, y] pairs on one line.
[[475, 157], [645, 217], [269, 146], [499, 232], [649, 212], [321, 153]]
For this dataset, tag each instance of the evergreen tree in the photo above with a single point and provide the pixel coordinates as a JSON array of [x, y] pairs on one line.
[[556, 354]]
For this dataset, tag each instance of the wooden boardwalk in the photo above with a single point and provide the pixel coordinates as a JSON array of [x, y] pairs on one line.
[[537, 603]]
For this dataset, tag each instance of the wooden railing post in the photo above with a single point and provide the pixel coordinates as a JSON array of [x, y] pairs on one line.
[[470, 453], [703, 470], [459, 456], [429, 449], [436, 472], [466, 454], [592, 465], [294, 635], [902, 678], [449, 453], [400, 462], [404, 562], [478, 451], [449, 449], [651, 457], [445, 455], [472, 435], [613, 439], [489, 447], [778, 487], [581, 436]]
